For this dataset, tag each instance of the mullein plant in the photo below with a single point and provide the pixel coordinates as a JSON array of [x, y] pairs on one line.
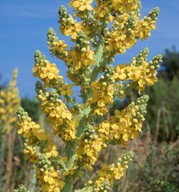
[[99, 31], [9, 103]]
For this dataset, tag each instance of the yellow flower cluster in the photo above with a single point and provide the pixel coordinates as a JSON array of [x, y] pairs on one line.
[[128, 28], [118, 42], [88, 150], [125, 6], [69, 26], [108, 173], [30, 129], [65, 89], [9, 103], [46, 71], [103, 92], [125, 124], [101, 10], [81, 5], [49, 74], [56, 46], [72, 29], [102, 96], [34, 135], [31, 153], [122, 36], [142, 75], [49, 179], [143, 27], [58, 114], [140, 72], [77, 59]]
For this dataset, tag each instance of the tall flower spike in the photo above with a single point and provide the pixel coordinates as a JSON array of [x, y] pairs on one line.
[[56, 46], [46, 71], [9, 103], [86, 127]]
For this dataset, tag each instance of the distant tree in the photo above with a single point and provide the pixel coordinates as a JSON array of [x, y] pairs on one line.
[[170, 64], [32, 107], [164, 101]]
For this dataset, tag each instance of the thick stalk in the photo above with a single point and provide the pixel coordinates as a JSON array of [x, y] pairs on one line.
[[68, 185], [72, 147], [98, 57], [71, 151]]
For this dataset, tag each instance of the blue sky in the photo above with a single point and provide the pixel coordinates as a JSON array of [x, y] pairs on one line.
[[24, 24]]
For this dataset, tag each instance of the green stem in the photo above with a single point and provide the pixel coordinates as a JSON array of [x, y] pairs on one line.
[[72, 147], [99, 52], [98, 57], [68, 185], [72, 151], [80, 127]]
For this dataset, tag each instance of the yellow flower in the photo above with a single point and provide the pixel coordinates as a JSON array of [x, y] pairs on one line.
[[102, 96], [101, 10], [108, 173], [118, 41], [144, 27], [89, 150], [58, 47], [65, 89], [40, 134], [73, 30], [49, 176], [81, 5], [104, 130], [142, 75], [50, 150], [79, 60], [125, 5], [31, 154], [120, 72], [59, 115], [47, 72]]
